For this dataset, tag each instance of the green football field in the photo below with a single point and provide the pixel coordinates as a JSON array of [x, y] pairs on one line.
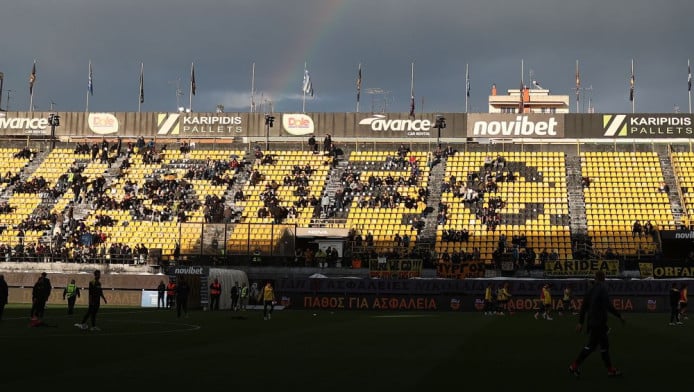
[[344, 351]]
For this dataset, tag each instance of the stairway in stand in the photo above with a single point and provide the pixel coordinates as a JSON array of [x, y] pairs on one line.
[[436, 178], [577, 206]]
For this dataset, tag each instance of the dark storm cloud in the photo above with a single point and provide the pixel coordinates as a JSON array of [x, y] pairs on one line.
[[225, 37]]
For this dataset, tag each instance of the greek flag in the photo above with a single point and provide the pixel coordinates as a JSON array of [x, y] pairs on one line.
[[308, 86]]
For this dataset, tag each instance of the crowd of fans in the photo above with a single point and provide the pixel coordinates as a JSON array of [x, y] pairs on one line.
[[163, 198]]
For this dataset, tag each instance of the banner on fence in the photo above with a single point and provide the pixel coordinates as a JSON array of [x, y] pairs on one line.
[[395, 269], [581, 267], [460, 271]]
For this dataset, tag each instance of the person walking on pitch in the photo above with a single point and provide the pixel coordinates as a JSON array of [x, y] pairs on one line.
[[596, 305]]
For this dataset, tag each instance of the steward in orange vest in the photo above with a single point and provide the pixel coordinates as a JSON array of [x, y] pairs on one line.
[[170, 295], [215, 293]]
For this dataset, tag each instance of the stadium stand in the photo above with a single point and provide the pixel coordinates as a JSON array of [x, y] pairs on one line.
[[284, 188], [622, 192], [388, 197], [494, 206], [683, 163], [495, 203]]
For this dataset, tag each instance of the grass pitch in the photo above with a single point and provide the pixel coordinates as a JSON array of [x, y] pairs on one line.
[[341, 351]]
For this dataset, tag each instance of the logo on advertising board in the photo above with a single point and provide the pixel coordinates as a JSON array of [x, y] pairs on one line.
[[193, 124], [653, 126], [652, 305], [677, 234], [515, 126], [189, 270], [455, 303], [35, 125], [297, 124], [412, 127], [102, 123]]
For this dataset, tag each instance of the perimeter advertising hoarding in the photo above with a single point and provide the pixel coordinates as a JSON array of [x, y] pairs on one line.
[[461, 295], [351, 125], [632, 126], [473, 287], [456, 303], [666, 270], [230, 125], [515, 126], [24, 123]]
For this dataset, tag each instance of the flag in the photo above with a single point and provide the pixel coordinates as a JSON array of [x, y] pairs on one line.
[[689, 77], [32, 79], [90, 82], [412, 92], [192, 79], [359, 83], [142, 83], [521, 105], [578, 81], [631, 83], [467, 82], [308, 86]]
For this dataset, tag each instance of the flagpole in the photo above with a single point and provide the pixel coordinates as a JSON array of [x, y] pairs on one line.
[[358, 86], [192, 81], [578, 88], [32, 80], [253, 88], [689, 85], [141, 96], [467, 86], [521, 109], [633, 88], [412, 90], [86, 108]]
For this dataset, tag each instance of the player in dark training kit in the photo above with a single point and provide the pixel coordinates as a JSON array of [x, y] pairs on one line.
[[596, 305]]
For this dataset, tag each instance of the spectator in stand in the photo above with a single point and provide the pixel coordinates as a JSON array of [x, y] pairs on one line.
[[499, 163], [313, 146], [488, 161], [664, 188], [585, 182], [369, 239], [554, 255], [648, 228], [636, 229], [398, 240], [327, 143]]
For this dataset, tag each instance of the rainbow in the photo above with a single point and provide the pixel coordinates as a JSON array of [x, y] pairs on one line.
[[288, 78]]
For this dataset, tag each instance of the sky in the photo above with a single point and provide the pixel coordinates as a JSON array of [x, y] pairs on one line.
[[223, 38]]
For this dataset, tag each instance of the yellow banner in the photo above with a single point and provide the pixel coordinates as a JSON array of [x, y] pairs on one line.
[[646, 270], [395, 269], [581, 267], [460, 271]]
